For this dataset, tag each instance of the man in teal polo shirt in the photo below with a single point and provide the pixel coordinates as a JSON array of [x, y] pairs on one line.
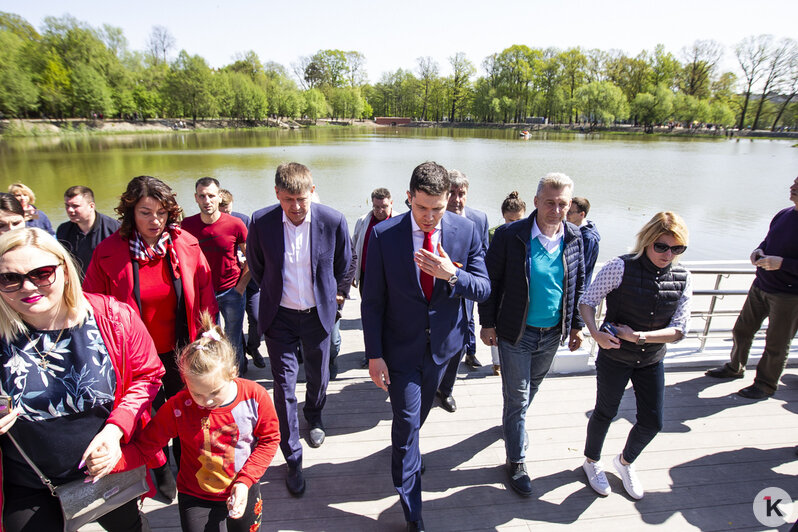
[[537, 271]]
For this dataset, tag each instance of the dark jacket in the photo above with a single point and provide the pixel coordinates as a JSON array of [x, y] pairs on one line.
[[508, 268], [82, 246], [645, 301], [590, 242]]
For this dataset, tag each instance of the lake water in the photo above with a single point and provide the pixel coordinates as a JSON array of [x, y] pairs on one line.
[[727, 190]]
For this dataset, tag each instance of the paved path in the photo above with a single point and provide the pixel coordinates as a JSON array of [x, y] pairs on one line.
[[717, 451]]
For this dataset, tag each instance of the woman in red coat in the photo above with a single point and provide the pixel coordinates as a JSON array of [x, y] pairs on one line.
[[157, 269], [81, 372]]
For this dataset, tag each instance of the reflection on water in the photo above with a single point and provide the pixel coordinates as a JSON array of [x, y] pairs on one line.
[[727, 190]]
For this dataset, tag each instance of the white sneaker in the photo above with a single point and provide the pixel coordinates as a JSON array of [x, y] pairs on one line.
[[596, 477], [631, 483]]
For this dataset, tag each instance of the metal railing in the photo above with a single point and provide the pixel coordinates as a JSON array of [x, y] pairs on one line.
[[701, 280]]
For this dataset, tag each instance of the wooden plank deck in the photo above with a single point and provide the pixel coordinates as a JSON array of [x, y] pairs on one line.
[[716, 452]]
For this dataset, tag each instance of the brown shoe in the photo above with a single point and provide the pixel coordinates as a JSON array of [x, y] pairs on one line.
[[497, 369], [725, 372]]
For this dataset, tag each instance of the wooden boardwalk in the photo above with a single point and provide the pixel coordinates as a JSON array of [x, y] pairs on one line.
[[716, 452]]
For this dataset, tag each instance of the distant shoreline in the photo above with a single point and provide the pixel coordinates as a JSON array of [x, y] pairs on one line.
[[26, 128]]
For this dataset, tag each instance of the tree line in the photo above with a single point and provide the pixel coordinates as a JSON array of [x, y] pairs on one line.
[[70, 69]]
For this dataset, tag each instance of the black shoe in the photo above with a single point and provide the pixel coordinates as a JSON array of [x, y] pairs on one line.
[[724, 372], [424, 467], [316, 436], [295, 481], [754, 392], [415, 526], [470, 360], [165, 481], [257, 358], [447, 402], [519, 480]]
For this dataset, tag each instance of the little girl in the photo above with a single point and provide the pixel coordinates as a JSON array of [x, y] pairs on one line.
[[228, 432]]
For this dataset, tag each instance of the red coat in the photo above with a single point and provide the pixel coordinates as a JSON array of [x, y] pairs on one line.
[[136, 364], [111, 272]]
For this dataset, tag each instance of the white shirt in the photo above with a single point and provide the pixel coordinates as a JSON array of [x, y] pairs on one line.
[[418, 241], [550, 244], [297, 273]]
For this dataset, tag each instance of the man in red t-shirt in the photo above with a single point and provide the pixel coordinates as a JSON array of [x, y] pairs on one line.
[[220, 237]]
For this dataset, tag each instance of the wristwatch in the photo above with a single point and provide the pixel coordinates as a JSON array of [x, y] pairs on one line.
[[452, 280], [641, 339]]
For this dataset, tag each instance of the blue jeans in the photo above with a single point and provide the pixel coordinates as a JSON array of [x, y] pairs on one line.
[[611, 380], [231, 307], [523, 368]]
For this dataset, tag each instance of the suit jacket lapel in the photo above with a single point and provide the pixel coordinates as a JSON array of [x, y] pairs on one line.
[[405, 248], [316, 238]]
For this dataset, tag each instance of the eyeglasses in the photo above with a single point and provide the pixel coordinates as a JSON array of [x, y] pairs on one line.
[[661, 247], [40, 277]]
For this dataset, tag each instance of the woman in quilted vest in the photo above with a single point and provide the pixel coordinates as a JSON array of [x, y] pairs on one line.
[[648, 306]]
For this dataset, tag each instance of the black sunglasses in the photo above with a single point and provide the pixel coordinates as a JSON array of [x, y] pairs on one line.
[[661, 247], [41, 277]]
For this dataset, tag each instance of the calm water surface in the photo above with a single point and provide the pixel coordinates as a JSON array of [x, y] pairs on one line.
[[727, 190]]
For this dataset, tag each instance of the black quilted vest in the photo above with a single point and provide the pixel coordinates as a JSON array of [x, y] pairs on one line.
[[645, 301]]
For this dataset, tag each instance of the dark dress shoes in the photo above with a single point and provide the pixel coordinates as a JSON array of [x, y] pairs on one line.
[[165, 481], [519, 479], [415, 526], [447, 402], [257, 358], [724, 372], [471, 361], [754, 392], [316, 437], [295, 481]]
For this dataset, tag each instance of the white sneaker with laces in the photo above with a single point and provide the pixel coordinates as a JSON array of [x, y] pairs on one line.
[[628, 475], [596, 477]]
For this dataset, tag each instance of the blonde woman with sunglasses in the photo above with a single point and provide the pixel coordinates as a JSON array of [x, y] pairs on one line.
[[78, 371], [648, 306]]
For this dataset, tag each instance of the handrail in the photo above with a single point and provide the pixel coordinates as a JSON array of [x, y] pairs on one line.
[[715, 294]]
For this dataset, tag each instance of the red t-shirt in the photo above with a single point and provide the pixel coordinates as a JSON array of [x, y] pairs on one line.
[[219, 242], [158, 303], [218, 447]]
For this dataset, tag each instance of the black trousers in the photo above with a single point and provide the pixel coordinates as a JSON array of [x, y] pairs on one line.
[[30, 510], [201, 515]]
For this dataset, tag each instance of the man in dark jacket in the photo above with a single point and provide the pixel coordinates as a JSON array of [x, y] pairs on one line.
[[86, 227], [577, 215], [537, 270]]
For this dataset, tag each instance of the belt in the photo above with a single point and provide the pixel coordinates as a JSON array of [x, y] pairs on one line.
[[541, 329], [298, 311]]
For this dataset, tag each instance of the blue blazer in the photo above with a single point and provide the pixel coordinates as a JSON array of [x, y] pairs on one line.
[[330, 255], [480, 219], [397, 319]]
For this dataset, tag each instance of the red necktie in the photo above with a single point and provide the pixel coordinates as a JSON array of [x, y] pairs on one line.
[[427, 281]]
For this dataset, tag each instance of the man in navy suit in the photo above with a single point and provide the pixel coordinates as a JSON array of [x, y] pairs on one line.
[[299, 253], [458, 197], [421, 268]]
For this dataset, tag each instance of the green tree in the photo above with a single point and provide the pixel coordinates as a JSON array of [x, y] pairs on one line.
[[462, 70], [188, 87], [601, 102], [700, 60], [752, 53], [651, 109], [315, 104], [18, 92], [90, 93], [574, 66]]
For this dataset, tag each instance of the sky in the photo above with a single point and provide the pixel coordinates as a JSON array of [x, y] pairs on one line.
[[393, 34]]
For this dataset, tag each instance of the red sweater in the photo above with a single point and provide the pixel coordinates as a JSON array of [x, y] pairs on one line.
[[233, 443]]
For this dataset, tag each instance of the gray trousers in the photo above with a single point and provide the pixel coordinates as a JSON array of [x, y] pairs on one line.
[[781, 310]]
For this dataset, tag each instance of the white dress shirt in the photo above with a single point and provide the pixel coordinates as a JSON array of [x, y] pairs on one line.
[[418, 242], [297, 273], [550, 244]]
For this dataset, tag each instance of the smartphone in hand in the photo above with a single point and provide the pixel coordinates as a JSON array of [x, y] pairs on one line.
[[5, 405], [609, 328]]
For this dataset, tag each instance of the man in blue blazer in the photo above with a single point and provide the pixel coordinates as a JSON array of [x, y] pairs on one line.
[[421, 268], [458, 197], [299, 253]]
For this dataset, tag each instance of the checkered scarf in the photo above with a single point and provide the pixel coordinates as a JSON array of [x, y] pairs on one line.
[[142, 252]]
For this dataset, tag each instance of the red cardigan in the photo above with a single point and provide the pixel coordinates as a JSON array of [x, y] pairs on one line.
[[111, 272], [137, 366]]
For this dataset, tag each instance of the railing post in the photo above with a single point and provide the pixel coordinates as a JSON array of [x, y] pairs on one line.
[[708, 322]]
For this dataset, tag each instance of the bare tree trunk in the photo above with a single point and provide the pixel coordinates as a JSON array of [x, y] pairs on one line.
[[781, 111]]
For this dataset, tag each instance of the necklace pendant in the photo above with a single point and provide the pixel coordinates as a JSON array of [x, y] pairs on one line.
[[44, 363]]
